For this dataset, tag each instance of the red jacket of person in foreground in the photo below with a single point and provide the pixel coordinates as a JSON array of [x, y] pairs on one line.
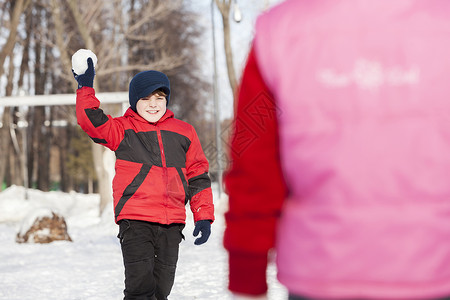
[[159, 166]]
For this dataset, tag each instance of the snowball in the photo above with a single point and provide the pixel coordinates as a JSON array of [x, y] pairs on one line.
[[79, 60]]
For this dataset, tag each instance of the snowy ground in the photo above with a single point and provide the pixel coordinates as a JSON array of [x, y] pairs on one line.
[[90, 267]]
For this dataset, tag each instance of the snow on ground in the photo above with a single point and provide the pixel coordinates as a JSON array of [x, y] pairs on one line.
[[90, 267]]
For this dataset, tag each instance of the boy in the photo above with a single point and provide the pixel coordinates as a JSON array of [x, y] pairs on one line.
[[160, 166]]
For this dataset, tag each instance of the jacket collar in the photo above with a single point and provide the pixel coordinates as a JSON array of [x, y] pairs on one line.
[[131, 113]]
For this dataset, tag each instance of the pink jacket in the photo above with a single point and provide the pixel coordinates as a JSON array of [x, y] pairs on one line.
[[362, 90]]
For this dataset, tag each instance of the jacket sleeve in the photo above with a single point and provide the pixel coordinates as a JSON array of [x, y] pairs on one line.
[[199, 183], [254, 184], [101, 128]]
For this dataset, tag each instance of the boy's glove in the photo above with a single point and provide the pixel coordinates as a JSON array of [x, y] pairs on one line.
[[86, 79], [203, 226]]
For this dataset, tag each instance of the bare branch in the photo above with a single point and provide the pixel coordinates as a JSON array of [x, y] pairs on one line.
[[151, 12], [19, 8], [73, 5], [95, 9], [65, 60], [224, 7], [147, 38], [166, 64]]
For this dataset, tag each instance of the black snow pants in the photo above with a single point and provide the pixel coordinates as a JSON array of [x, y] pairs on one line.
[[150, 255]]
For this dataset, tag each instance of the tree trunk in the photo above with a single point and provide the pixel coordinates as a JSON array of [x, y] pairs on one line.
[[39, 129], [104, 161], [63, 145], [229, 55], [15, 165], [44, 135], [19, 7], [26, 48], [100, 153], [4, 144], [59, 36], [7, 50], [224, 8], [11, 155], [32, 139]]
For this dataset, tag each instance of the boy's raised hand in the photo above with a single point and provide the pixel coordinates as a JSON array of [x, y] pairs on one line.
[[203, 226], [86, 79]]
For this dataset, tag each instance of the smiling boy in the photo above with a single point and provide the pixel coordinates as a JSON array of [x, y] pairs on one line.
[[152, 107], [160, 166]]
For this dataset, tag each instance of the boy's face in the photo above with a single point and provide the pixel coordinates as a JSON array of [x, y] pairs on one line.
[[152, 107]]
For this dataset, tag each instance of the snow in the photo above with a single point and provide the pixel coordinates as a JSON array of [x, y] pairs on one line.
[[90, 267], [79, 60]]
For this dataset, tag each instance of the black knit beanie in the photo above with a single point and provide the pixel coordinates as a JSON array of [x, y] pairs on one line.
[[145, 83]]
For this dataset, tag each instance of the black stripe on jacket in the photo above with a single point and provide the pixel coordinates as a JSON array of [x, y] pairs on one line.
[[96, 116], [175, 148], [143, 147], [185, 186], [198, 184], [140, 147], [132, 188]]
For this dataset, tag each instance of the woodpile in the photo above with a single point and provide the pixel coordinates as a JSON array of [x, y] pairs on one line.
[[45, 229]]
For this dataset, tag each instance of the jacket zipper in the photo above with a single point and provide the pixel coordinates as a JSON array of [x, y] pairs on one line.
[[165, 173]]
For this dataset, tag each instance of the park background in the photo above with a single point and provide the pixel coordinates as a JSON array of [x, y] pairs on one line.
[[47, 164]]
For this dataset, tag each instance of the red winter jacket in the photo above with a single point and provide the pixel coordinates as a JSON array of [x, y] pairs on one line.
[[159, 166]]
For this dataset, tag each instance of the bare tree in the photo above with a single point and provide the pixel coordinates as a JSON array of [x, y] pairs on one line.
[[17, 8], [225, 8], [5, 129], [40, 132], [84, 24], [4, 144]]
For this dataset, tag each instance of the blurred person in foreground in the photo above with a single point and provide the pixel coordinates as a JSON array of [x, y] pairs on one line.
[[340, 158]]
